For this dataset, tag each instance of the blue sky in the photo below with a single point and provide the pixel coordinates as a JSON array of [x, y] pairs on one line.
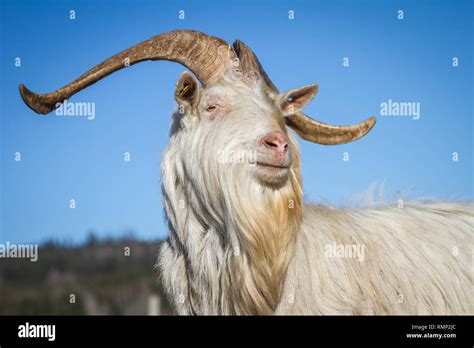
[[407, 60]]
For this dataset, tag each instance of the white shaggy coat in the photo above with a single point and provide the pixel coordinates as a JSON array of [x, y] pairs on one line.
[[418, 260]]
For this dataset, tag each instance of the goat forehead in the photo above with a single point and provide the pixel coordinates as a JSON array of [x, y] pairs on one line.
[[240, 96]]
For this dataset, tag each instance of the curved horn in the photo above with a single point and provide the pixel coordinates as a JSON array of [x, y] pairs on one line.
[[306, 127], [207, 56], [322, 133]]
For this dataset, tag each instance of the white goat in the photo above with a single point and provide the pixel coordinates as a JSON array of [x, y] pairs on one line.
[[241, 239]]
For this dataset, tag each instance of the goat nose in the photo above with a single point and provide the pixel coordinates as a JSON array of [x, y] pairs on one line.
[[276, 141]]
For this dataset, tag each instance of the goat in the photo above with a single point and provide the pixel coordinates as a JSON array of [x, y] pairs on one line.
[[241, 239]]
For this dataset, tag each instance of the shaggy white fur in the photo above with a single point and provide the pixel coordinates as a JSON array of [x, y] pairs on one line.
[[418, 260]]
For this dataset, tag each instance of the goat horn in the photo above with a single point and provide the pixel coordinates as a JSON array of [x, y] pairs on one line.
[[322, 133], [306, 127], [207, 56]]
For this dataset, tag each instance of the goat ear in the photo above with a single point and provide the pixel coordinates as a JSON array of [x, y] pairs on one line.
[[296, 99], [188, 90]]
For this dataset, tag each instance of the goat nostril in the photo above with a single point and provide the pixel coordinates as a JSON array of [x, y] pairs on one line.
[[276, 142], [270, 144]]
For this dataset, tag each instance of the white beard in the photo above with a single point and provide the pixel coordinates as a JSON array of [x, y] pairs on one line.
[[231, 239]]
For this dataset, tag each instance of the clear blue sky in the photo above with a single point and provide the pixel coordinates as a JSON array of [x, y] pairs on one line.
[[63, 158]]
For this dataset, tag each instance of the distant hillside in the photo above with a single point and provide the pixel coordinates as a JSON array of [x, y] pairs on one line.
[[103, 279]]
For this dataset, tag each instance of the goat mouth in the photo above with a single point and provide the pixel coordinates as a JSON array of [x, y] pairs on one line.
[[272, 174], [273, 170], [273, 165]]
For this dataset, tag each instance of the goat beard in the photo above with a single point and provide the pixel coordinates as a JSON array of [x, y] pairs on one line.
[[231, 249], [264, 223]]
